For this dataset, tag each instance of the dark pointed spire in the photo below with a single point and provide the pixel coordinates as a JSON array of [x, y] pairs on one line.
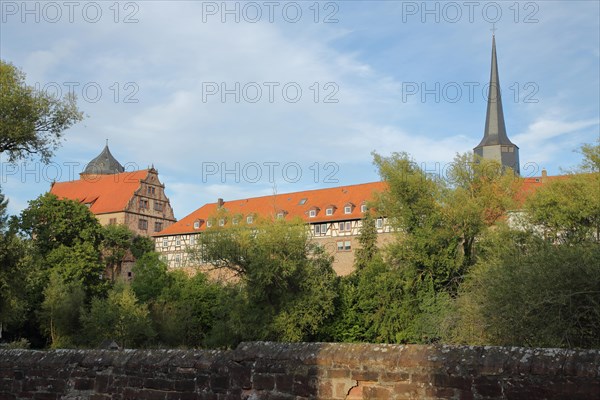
[[495, 129], [495, 144], [104, 164]]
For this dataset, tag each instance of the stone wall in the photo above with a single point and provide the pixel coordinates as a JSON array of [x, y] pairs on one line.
[[299, 371]]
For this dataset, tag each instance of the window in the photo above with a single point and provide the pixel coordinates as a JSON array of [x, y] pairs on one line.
[[302, 202], [158, 206], [143, 203], [329, 211], [312, 213], [317, 229], [347, 209], [379, 223], [192, 240], [222, 222], [158, 226], [235, 221], [151, 190], [280, 215], [320, 229], [345, 226], [143, 224], [178, 242], [208, 224], [344, 246], [177, 260], [112, 221], [196, 224], [363, 208], [165, 242], [249, 219]]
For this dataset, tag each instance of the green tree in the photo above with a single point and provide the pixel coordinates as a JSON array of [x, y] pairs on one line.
[[187, 309], [116, 241], [150, 277], [526, 291], [120, 317], [568, 209], [52, 222], [280, 295], [12, 273], [31, 122], [367, 239], [61, 311]]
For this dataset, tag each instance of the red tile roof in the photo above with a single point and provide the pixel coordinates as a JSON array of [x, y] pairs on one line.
[[532, 184], [104, 193], [290, 203]]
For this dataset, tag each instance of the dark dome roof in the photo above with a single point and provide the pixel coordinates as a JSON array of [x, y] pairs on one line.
[[104, 164]]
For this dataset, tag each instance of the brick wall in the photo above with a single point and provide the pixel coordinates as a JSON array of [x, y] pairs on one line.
[[298, 371]]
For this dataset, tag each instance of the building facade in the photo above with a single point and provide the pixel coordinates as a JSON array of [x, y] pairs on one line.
[[136, 199], [333, 217]]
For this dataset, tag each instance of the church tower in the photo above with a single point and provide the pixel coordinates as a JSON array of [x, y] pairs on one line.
[[495, 144]]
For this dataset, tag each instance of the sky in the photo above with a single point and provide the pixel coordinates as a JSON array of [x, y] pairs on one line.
[[235, 99]]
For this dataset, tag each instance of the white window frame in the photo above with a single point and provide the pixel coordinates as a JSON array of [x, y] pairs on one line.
[[208, 224], [165, 242], [329, 211], [347, 209], [249, 219], [363, 208], [196, 224], [312, 213], [177, 242], [379, 223], [222, 222]]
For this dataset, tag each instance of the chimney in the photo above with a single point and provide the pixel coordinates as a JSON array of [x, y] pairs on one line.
[[544, 175], [220, 202]]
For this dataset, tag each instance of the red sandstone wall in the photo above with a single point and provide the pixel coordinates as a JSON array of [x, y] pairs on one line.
[[303, 371]]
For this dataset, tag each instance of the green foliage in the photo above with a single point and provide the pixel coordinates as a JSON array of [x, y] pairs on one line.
[[568, 209], [52, 222], [286, 287], [61, 311], [116, 241], [186, 311], [12, 273], [119, 317], [529, 292], [150, 277], [31, 121]]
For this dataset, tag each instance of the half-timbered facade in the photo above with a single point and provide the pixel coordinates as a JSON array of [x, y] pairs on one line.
[[333, 217]]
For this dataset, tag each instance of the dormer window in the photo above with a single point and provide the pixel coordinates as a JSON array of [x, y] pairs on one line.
[[208, 224], [249, 219], [222, 222], [280, 215], [329, 211], [312, 213], [197, 224], [363, 208], [235, 221], [348, 208]]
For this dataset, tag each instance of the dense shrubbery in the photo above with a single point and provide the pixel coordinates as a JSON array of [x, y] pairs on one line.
[[455, 274]]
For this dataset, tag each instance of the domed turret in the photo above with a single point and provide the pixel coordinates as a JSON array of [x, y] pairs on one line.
[[104, 164]]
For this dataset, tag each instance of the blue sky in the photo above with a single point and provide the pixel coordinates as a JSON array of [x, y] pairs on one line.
[[238, 99]]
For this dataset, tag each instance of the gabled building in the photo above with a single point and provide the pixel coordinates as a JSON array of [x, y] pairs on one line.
[[136, 199], [333, 216]]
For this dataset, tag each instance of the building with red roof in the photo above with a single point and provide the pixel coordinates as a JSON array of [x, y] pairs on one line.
[[136, 199], [333, 215]]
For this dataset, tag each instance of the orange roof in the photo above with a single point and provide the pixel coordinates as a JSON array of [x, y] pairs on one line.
[[297, 204], [532, 184], [104, 193]]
